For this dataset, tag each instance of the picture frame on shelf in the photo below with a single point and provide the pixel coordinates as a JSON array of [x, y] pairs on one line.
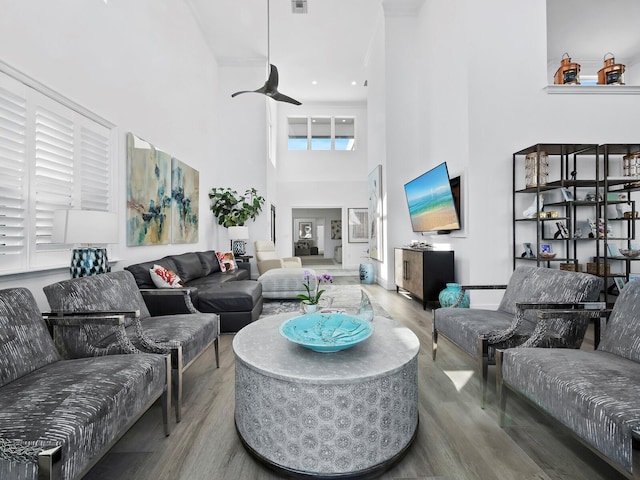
[[567, 194], [528, 251], [611, 250], [619, 281], [545, 248]]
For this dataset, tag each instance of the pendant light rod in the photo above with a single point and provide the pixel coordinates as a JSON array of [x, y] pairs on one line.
[[268, 37]]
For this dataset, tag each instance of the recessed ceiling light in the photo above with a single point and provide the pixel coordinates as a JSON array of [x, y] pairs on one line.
[[354, 83], [314, 82]]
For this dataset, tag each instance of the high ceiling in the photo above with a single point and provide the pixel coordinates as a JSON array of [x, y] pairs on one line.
[[329, 44]]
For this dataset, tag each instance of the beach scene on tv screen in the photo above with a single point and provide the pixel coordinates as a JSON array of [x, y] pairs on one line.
[[430, 202]]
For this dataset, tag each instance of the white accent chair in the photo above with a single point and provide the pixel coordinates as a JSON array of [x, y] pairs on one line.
[[268, 259]]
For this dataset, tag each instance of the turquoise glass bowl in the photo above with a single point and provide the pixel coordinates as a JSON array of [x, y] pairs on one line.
[[326, 332]]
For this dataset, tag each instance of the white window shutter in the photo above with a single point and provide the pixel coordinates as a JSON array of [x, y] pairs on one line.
[[95, 172], [13, 174], [53, 175]]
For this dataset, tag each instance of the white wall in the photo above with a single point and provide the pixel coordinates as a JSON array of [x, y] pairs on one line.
[[480, 98], [141, 65], [320, 179]]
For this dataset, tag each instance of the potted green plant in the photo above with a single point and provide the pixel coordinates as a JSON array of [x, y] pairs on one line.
[[232, 209]]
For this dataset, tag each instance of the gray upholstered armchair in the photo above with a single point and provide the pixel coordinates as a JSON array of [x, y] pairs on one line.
[[184, 335], [268, 259], [593, 393], [479, 332], [59, 416]]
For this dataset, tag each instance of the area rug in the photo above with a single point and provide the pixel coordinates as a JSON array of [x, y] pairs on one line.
[[343, 296]]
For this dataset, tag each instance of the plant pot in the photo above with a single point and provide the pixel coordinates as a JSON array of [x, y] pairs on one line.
[[309, 308]]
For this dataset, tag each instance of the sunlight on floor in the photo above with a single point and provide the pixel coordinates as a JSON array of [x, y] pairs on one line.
[[459, 378]]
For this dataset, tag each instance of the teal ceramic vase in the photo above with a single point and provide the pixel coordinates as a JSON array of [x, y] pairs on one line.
[[453, 295]]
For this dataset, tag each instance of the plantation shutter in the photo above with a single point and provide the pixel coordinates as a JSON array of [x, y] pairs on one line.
[[13, 174], [95, 192], [54, 167]]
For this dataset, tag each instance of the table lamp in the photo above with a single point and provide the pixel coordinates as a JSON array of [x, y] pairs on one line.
[[91, 230], [238, 235]]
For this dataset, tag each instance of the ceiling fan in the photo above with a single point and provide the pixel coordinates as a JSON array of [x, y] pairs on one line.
[[270, 88]]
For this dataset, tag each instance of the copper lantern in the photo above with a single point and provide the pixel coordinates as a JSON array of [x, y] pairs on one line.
[[568, 73], [611, 73]]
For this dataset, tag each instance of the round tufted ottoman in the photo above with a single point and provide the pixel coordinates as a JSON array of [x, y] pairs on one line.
[[351, 414], [284, 282]]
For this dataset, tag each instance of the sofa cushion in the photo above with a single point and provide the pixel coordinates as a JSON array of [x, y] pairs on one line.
[[227, 261], [622, 333], [188, 266], [82, 405], [141, 273], [163, 278], [240, 296], [595, 394], [25, 343], [209, 262]]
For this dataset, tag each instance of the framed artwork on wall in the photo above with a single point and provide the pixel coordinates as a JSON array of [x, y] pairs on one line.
[[358, 225], [148, 194], [336, 229], [305, 231], [376, 247], [185, 199]]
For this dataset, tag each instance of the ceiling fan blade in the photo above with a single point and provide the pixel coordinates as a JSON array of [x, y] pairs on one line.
[[272, 81], [283, 98], [262, 90]]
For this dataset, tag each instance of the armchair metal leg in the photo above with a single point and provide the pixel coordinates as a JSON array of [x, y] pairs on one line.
[[483, 367], [176, 378], [501, 389], [49, 463], [434, 343], [215, 345], [166, 400]]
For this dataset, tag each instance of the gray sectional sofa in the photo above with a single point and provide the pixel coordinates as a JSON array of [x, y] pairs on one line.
[[236, 299], [58, 417], [593, 393]]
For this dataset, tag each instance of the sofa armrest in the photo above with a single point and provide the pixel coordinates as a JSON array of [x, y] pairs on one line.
[[83, 335], [270, 264], [292, 262], [48, 457], [169, 301]]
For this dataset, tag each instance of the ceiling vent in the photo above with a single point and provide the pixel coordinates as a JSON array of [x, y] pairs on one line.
[[299, 6]]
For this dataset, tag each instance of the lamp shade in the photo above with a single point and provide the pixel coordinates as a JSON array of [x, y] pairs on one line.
[[238, 233], [90, 227]]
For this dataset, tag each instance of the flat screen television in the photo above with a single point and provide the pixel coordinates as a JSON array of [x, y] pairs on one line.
[[432, 205]]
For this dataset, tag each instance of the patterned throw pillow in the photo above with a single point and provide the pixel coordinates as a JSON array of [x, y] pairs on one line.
[[164, 278], [227, 261]]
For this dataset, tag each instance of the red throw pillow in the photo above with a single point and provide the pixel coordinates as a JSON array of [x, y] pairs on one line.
[[164, 278], [227, 261]]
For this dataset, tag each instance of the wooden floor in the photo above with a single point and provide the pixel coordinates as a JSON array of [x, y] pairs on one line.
[[456, 440]]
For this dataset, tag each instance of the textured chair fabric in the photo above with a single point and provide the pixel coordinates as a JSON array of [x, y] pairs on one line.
[[117, 291], [594, 393], [81, 405], [527, 285]]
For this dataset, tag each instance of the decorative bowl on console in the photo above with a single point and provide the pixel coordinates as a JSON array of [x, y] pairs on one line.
[[547, 254], [629, 253]]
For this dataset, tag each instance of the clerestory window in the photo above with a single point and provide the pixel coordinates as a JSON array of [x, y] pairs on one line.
[[321, 133]]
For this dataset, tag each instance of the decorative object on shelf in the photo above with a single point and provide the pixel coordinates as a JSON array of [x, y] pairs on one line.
[[631, 214], [567, 195], [528, 251], [611, 73], [326, 332], [232, 209], [571, 267], [597, 228], [631, 165], [367, 273], [593, 197], [546, 252], [598, 268], [622, 208], [629, 253], [238, 237], [453, 296], [562, 231], [312, 284], [532, 164], [90, 228], [577, 233], [535, 207], [568, 73]]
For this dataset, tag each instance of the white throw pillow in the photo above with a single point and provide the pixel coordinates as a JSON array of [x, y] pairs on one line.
[[164, 278]]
